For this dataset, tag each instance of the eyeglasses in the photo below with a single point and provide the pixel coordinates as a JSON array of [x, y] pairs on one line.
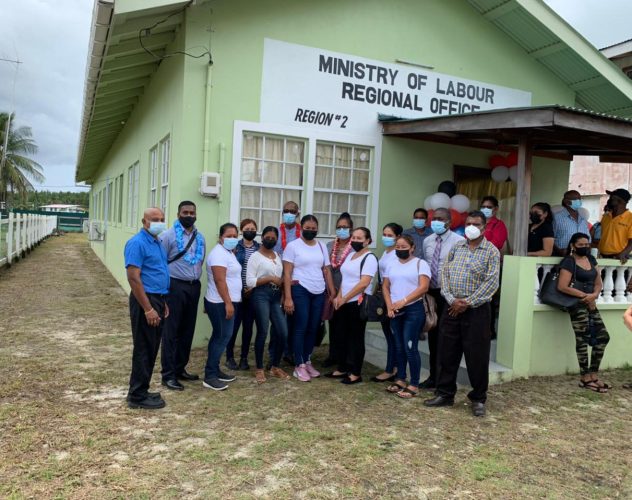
[[343, 227], [487, 206], [290, 211]]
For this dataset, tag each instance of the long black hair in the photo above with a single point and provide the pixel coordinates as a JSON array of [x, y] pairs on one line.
[[545, 207], [574, 239]]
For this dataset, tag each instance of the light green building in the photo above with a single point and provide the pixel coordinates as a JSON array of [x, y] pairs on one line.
[[241, 105]]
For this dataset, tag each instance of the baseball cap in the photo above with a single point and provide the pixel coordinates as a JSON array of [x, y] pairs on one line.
[[624, 194]]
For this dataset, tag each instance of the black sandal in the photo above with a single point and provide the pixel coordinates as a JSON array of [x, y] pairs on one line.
[[407, 393], [592, 386], [396, 388]]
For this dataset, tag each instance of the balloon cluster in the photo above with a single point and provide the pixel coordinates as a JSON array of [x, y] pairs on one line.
[[504, 167], [446, 197]]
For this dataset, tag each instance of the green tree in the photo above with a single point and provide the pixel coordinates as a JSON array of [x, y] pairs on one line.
[[18, 170]]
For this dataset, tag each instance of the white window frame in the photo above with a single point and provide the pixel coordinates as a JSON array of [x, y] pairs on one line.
[[133, 181], [165, 162], [153, 177], [119, 201], [310, 137]]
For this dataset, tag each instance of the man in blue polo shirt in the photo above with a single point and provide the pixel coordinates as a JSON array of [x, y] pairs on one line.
[[148, 276]]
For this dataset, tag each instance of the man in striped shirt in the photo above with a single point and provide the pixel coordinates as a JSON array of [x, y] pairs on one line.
[[469, 279]]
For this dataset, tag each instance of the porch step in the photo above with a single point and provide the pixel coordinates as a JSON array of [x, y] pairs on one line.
[[376, 355]]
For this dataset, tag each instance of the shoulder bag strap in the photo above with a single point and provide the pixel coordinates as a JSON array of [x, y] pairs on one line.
[[186, 249]]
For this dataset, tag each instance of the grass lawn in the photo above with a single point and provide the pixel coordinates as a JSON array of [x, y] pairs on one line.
[[65, 431]]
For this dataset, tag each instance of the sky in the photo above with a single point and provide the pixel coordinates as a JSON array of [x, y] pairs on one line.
[[50, 38]]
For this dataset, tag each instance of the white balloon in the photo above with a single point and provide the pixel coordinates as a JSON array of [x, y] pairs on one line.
[[584, 212], [500, 174], [428, 203], [513, 173], [460, 203], [556, 208], [440, 200]]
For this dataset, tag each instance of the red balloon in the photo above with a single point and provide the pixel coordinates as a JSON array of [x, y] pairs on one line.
[[456, 219], [496, 161], [512, 159], [429, 219]]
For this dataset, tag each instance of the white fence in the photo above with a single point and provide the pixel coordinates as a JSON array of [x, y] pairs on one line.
[[21, 232]]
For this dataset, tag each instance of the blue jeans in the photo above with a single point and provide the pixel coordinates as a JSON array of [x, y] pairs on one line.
[[266, 303], [390, 344], [244, 318], [308, 311], [406, 328], [222, 331]]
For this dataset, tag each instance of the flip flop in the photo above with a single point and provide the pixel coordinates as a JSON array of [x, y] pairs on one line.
[[592, 386], [407, 393], [395, 388]]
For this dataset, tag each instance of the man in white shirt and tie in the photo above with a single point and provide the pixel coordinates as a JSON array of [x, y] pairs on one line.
[[436, 249]]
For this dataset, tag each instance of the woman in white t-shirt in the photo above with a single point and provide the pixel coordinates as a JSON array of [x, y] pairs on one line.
[[264, 278], [357, 273], [223, 297], [306, 275], [406, 280], [390, 232]]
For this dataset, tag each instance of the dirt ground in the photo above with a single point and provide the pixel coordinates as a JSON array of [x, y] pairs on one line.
[[65, 431]]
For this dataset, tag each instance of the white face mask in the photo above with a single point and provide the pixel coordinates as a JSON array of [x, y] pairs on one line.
[[472, 232]]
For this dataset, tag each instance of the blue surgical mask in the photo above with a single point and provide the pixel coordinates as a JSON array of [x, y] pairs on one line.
[[156, 228], [487, 212], [438, 227], [388, 241], [289, 218], [576, 204], [230, 243], [343, 233], [419, 223]]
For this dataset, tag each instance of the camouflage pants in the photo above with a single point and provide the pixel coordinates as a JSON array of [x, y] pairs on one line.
[[588, 326]]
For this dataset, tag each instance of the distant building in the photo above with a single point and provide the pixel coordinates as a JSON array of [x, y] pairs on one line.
[[62, 208]]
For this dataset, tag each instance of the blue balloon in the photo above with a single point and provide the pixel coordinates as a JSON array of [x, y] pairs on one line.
[[460, 230]]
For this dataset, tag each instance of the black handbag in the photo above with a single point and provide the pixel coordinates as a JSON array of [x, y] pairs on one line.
[[551, 296], [372, 306]]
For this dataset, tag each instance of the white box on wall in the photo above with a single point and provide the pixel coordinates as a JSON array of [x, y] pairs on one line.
[[210, 184]]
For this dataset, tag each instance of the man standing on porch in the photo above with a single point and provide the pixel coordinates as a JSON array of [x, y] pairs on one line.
[[436, 249], [616, 227], [469, 279], [568, 221], [186, 249], [148, 277]]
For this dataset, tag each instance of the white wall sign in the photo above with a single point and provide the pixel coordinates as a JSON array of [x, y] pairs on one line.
[[310, 87]]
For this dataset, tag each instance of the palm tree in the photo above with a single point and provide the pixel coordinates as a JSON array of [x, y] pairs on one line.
[[18, 170]]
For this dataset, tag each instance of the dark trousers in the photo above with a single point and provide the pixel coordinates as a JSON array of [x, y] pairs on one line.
[[586, 324], [351, 354], [336, 338], [266, 303], [466, 334], [308, 310], [433, 335], [222, 330], [245, 319], [390, 344], [146, 341], [282, 346], [177, 335]]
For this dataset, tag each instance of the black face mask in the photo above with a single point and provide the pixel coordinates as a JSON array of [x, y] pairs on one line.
[[249, 235], [535, 218], [187, 221], [309, 235], [269, 244], [357, 246], [582, 251], [402, 254]]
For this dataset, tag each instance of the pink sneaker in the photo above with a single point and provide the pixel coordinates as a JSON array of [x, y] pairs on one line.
[[313, 372], [300, 372]]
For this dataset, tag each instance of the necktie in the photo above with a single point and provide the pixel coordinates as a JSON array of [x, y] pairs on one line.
[[434, 264]]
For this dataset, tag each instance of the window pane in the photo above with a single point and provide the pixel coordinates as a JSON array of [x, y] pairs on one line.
[[323, 177], [250, 171], [342, 179], [271, 198], [359, 221], [321, 201], [269, 218], [273, 149], [294, 175], [272, 173], [294, 151], [249, 213], [253, 146], [360, 180], [340, 203], [324, 154], [358, 204], [362, 158], [292, 195], [250, 197], [323, 223], [343, 156]]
